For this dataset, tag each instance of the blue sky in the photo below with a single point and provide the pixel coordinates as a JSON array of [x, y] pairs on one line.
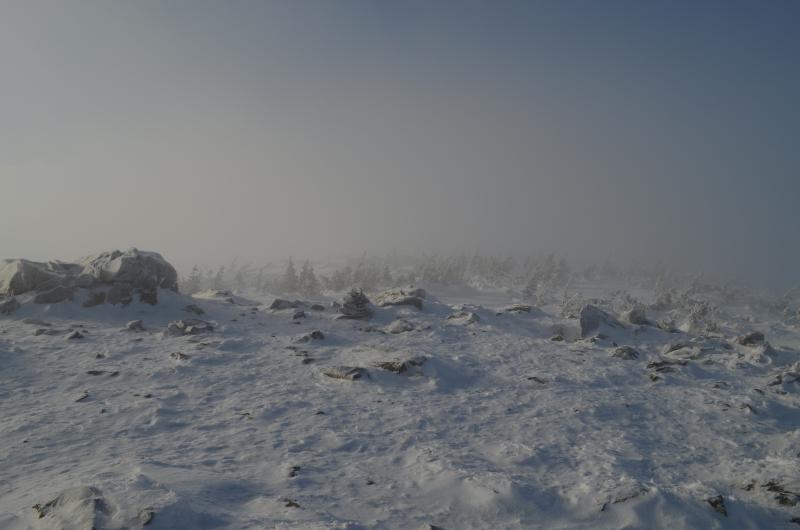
[[624, 129]]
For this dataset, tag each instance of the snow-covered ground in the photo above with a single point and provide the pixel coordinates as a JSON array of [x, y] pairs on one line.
[[501, 426]]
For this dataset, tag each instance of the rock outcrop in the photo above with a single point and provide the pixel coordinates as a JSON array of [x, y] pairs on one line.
[[114, 277]]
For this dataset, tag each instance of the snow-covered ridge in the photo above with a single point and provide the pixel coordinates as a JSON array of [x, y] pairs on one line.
[[418, 409]]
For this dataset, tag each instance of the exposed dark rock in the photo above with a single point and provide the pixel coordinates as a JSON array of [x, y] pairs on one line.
[[298, 315], [195, 309], [189, 326], [75, 335], [755, 338], [135, 325], [403, 367], [718, 503], [351, 373], [626, 352], [280, 304], [400, 326], [355, 305]]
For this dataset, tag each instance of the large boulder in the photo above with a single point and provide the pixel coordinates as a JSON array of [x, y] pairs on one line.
[[126, 273], [19, 276], [141, 270]]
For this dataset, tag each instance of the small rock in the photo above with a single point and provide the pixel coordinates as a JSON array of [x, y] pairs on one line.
[[718, 503], [317, 307], [298, 315], [279, 304], [75, 335], [135, 325], [350, 373], [402, 367], [626, 352], [195, 309], [400, 326], [179, 356], [145, 516], [756, 338]]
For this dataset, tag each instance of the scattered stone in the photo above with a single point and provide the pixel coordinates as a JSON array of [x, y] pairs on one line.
[[400, 326], [350, 373], [396, 297], [293, 471], [317, 307], [463, 318], [189, 326], [135, 325], [557, 338], [665, 365], [592, 318], [756, 338], [146, 516], [516, 308], [538, 380], [355, 305], [308, 360], [179, 356], [402, 367], [674, 346], [47, 331], [280, 304], [83, 505], [290, 503], [102, 372], [718, 503], [9, 306], [83, 397], [298, 315], [628, 353], [75, 335]]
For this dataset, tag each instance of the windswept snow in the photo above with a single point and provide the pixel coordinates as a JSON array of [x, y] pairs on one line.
[[474, 411]]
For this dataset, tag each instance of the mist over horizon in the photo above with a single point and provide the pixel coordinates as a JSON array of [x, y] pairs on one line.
[[630, 131]]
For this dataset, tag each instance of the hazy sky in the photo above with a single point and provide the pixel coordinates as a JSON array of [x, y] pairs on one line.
[[311, 128]]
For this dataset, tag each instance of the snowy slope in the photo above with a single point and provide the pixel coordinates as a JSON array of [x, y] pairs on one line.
[[500, 427]]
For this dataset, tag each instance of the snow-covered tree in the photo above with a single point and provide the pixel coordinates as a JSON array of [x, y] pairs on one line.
[[290, 280], [308, 283]]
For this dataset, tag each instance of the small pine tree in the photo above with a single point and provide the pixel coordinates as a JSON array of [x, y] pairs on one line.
[[308, 283], [290, 280], [219, 279], [193, 282]]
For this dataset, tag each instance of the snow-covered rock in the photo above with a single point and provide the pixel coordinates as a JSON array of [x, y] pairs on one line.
[[355, 305], [394, 297], [592, 319]]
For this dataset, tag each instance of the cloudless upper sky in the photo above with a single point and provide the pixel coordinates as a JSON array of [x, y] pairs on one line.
[[627, 129]]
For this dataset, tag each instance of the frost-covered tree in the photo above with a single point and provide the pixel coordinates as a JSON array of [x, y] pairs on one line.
[[219, 279], [307, 282], [290, 280], [194, 282]]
